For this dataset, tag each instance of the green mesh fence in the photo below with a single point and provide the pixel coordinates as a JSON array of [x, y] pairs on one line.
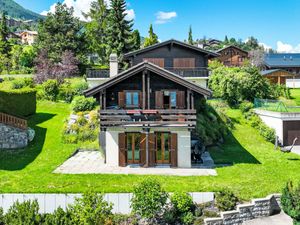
[[271, 105]]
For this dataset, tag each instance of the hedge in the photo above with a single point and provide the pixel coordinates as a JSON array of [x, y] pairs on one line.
[[20, 102]]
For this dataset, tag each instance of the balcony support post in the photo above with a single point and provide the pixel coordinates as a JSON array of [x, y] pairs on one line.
[[100, 100], [148, 90], [144, 90], [104, 97], [188, 99], [193, 101]]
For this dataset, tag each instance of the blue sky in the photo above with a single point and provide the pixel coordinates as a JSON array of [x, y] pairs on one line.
[[274, 22]]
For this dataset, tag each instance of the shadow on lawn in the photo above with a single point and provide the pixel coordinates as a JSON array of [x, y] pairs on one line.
[[19, 159]]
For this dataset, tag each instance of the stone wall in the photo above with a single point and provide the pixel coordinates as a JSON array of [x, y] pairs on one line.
[[257, 208], [12, 138]]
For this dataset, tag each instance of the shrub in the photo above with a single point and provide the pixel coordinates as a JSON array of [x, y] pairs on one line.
[[226, 200], [79, 87], [246, 106], [66, 93], [148, 199], [81, 103], [58, 217], [23, 82], [23, 213], [51, 89], [91, 209], [290, 201], [21, 102], [182, 208], [1, 217]]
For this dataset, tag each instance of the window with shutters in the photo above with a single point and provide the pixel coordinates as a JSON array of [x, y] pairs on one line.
[[184, 63], [157, 61], [132, 99]]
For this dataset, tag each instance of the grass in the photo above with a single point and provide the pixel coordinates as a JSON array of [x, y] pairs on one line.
[[256, 169], [295, 93]]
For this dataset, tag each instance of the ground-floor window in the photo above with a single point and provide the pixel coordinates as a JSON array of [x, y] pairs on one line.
[[162, 148], [133, 141]]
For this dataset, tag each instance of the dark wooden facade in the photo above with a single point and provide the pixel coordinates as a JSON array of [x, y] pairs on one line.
[[232, 56]]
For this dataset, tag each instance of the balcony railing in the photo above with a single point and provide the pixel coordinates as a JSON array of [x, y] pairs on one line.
[[148, 118], [184, 72]]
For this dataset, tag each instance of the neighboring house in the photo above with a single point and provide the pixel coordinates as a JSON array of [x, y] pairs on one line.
[[185, 60], [277, 76], [28, 37], [148, 111], [285, 61], [232, 56]]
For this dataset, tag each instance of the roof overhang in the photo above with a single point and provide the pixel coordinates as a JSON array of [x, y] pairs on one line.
[[152, 68]]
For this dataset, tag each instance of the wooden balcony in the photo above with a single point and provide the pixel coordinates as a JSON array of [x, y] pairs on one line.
[[148, 118], [13, 121]]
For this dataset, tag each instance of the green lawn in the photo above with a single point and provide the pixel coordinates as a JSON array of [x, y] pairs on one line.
[[256, 170], [295, 93]]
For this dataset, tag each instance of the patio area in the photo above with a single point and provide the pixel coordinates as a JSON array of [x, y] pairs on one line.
[[92, 162]]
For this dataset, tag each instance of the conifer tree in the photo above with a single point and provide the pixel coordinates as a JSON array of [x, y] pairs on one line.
[[152, 39], [4, 44], [136, 39], [226, 41], [190, 40], [119, 36]]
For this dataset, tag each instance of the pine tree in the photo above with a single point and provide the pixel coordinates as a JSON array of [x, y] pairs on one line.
[[96, 30], [136, 39], [152, 39], [119, 36], [4, 44], [226, 41], [190, 40]]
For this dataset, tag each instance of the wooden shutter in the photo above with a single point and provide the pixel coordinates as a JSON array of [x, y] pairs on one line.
[[122, 150], [152, 150], [121, 99], [159, 99], [143, 150], [180, 99], [173, 150], [157, 61], [184, 63]]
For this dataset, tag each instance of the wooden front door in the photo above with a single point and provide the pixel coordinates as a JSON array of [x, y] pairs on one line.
[[133, 141], [162, 148]]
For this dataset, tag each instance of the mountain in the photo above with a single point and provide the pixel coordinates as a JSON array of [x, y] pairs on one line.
[[14, 10]]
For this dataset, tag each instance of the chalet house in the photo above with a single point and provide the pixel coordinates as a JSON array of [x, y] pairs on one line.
[[148, 111], [232, 56], [28, 37], [187, 61], [285, 61], [277, 76]]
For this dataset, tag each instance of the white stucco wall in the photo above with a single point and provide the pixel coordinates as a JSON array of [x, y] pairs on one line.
[[93, 82], [112, 148], [275, 123], [293, 83], [183, 142], [201, 81], [184, 149]]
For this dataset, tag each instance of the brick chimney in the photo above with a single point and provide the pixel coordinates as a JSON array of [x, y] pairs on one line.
[[113, 65]]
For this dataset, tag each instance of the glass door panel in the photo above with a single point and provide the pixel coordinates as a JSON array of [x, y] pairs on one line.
[[133, 147], [162, 148]]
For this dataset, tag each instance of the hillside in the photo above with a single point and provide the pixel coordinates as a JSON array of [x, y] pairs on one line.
[[16, 11]]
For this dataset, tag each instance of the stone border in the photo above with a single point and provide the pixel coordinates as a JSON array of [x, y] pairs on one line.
[[261, 207]]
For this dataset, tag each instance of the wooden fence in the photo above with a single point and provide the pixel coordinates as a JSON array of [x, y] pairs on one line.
[[13, 121]]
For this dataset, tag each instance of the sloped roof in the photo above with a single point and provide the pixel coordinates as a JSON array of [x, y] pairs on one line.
[[231, 46], [153, 68], [172, 41], [268, 72], [282, 60]]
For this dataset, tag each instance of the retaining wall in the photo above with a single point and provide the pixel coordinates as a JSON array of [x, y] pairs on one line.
[[257, 208], [49, 202]]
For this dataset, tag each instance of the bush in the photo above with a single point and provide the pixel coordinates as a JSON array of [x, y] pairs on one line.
[[21, 102], [51, 89], [182, 209], [1, 217], [22, 82], [66, 93], [58, 217], [81, 104], [91, 209], [226, 200], [23, 213], [148, 199], [79, 87], [290, 201], [246, 106]]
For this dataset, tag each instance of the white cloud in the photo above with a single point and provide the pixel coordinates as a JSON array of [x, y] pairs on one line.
[[266, 47], [130, 14], [164, 17], [287, 48], [83, 6]]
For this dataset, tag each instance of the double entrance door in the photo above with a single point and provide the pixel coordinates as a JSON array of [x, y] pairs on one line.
[[135, 144]]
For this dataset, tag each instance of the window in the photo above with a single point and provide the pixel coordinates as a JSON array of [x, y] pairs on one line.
[[170, 99], [132, 99], [184, 63], [157, 61], [173, 98]]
